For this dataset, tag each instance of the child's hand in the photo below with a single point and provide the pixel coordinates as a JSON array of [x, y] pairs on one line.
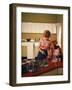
[[42, 52]]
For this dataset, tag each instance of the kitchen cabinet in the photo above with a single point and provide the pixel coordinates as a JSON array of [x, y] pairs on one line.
[[29, 27], [30, 49]]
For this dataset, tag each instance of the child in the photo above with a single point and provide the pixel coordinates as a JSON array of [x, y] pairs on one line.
[[57, 53], [44, 45]]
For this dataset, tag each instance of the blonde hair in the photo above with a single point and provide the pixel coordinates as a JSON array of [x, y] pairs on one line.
[[47, 34]]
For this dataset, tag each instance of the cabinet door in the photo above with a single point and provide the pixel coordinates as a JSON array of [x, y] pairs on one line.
[[28, 27], [53, 28], [59, 34], [24, 51]]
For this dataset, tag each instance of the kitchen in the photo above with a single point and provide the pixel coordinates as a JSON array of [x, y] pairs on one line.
[[32, 26]]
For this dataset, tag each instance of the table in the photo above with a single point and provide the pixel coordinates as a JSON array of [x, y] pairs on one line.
[[51, 66]]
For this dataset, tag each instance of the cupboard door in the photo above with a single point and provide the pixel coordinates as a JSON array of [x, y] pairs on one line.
[[29, 27]]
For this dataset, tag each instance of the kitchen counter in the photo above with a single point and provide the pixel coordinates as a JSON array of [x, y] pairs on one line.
[[25, 43]]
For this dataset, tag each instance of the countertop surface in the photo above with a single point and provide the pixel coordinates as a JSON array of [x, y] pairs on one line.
[[25, 43]]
